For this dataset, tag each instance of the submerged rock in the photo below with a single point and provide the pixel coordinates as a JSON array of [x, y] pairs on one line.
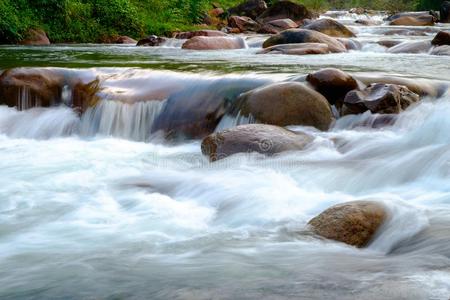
[[334, 84], [35, 37], [249, 8], [330, 27], [297, 49], [295, 36], [214, 43], [286, 103], [441, 38], [389, 43], [285, 10], [379, 98], [265, 139], [151, 40], [353, 223], [190, 34], [411, 47]]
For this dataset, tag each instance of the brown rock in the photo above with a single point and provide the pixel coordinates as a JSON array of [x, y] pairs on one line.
[[214, 43], [125, 40], [35, 37], [285, 10], [243, 23], [333, 84], [191, 34], [265, 139], [249, 8], [441, 38], [286, 103], [295, 36], [276, 26], [411, 47], [379, 98], [330, 27], [297, 49], [422, 20], [353, 223]]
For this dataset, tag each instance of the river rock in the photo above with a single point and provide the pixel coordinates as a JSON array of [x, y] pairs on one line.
[[276, 26], [350, 44], [353, 223], [124, 40], [379, 98], [286, 103], [389, 43], [445, 12], [85, 95], [330, 27], [249, 8], [285, 10], [421, 20], [261, 138], [295, 36], [190, 34], [28, 88], [214, 43], [297, 49], [151, 41], [441, 50], [35, 37], [334, 84], [411, 47], [243, 23], [441, 38]]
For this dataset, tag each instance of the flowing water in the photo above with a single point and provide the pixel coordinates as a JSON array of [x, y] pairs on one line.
[[98, 207]]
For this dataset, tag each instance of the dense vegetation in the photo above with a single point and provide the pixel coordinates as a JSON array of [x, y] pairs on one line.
[[96, 20]]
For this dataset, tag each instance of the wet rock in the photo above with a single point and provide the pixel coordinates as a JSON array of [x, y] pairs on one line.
[[265, 139], [367, 22], [334, 84], [276, 26], [445, 12], [250, 8], [350, 44], [28, 88], [441, 50], [389, 43], [421, 20], [190, 34], [214, 43], [85, 95], [297, 49], [379, 98], [151, 41], [330, 27], [285, 10], [35, 37], [441, 38], [411, 47], [287, 103], [195, 111], [295, 36], [353, 223], [243, 23]]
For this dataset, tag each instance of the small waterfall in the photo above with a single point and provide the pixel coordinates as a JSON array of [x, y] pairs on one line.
[[125, 120], [26, 100], [230, 121]]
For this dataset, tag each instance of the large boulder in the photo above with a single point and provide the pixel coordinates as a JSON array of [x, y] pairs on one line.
[[214, 43], [441, 38], [243, 23], [379, 98], [330, 27], [421, 20], [190, 34], [35, 37], [441, 50], [265, 139], [285, 10], [353, 223], [297, 49], [295, 36], [151, 41], [334, 84], [276, 26], [445, 12], [286, 103], [28, 88], [411, 47], [250, 8]]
